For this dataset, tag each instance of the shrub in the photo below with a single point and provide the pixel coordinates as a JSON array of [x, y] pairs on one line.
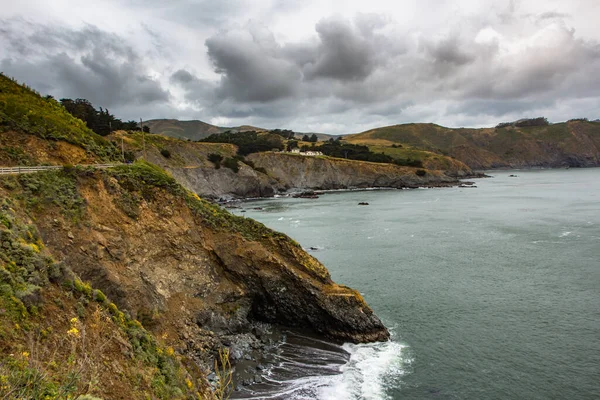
[[421, 172], [215, 159], [232, 163], [165, 153]]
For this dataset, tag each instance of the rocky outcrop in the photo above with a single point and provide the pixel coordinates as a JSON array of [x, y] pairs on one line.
[[304, 172], [191, 271]]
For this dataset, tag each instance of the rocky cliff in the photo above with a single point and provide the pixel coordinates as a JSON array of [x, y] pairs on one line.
[[265, 174], [123, 284], [301, 172], [195, 276]]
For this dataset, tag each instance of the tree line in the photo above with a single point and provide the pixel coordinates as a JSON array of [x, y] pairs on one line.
[[100, 120], [248, 142]]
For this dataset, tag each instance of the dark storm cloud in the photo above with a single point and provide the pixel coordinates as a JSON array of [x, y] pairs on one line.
[[182, 77], [197, 91], [86, 63], [252, 66], [344, 53], [449, 51], [497, 108], [338, 73]]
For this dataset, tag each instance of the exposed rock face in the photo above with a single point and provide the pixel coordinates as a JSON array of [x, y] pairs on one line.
[[213, 183], [189, 165], [304, 172], [183, 272]]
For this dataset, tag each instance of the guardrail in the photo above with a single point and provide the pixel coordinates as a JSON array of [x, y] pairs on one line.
[[40, 168]]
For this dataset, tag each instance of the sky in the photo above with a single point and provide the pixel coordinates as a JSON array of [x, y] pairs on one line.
[[338, 66]]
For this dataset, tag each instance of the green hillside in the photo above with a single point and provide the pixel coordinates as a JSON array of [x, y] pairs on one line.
[[575, 143], [22, 110]]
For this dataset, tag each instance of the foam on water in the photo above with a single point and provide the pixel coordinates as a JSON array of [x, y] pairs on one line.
[[365, 375], [350, 371]]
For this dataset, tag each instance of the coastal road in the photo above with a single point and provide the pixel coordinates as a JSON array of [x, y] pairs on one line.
[[40, 168]]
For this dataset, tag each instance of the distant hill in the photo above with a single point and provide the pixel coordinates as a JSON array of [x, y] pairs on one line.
[[193, 130], [196, 129], [321, 136], [575, 143]]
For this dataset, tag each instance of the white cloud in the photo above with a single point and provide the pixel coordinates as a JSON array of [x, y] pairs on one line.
[[337, 66]]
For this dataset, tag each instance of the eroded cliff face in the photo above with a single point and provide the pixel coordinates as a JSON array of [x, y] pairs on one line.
[[303, 172], [189, 270], [269, 173]]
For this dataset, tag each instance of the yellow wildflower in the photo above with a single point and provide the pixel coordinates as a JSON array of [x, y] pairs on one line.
[[73, 332], [25, 354]]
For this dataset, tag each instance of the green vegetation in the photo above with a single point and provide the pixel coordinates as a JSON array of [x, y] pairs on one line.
[[55, 189], [215, 159], [540, 121], [335, 148], [100, 121], [312, 138], [141, 179], [232, 163], [17, 155], [41, 359], [248, 142], [24, 110], [165, 153]]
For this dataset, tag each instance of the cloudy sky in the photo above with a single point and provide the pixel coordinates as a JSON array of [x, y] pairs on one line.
[[338, 66]]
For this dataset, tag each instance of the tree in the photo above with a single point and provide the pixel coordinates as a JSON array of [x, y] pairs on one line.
[[146, 129], [215, 159], [292, 144], [314, 138], [305, 138]]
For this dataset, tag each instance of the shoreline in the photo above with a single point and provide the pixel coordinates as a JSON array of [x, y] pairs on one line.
[[294, 191]]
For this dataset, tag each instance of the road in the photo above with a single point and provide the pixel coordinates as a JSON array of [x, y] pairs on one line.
[[40, 168]]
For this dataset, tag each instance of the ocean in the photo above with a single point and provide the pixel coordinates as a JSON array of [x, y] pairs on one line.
[[490, 292]]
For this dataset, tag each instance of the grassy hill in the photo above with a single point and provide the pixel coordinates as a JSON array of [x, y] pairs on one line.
[[573, 143], [193, 130], [196, 130], [48, 126]]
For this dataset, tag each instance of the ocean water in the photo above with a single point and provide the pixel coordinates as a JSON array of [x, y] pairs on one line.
[[490, 292]]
